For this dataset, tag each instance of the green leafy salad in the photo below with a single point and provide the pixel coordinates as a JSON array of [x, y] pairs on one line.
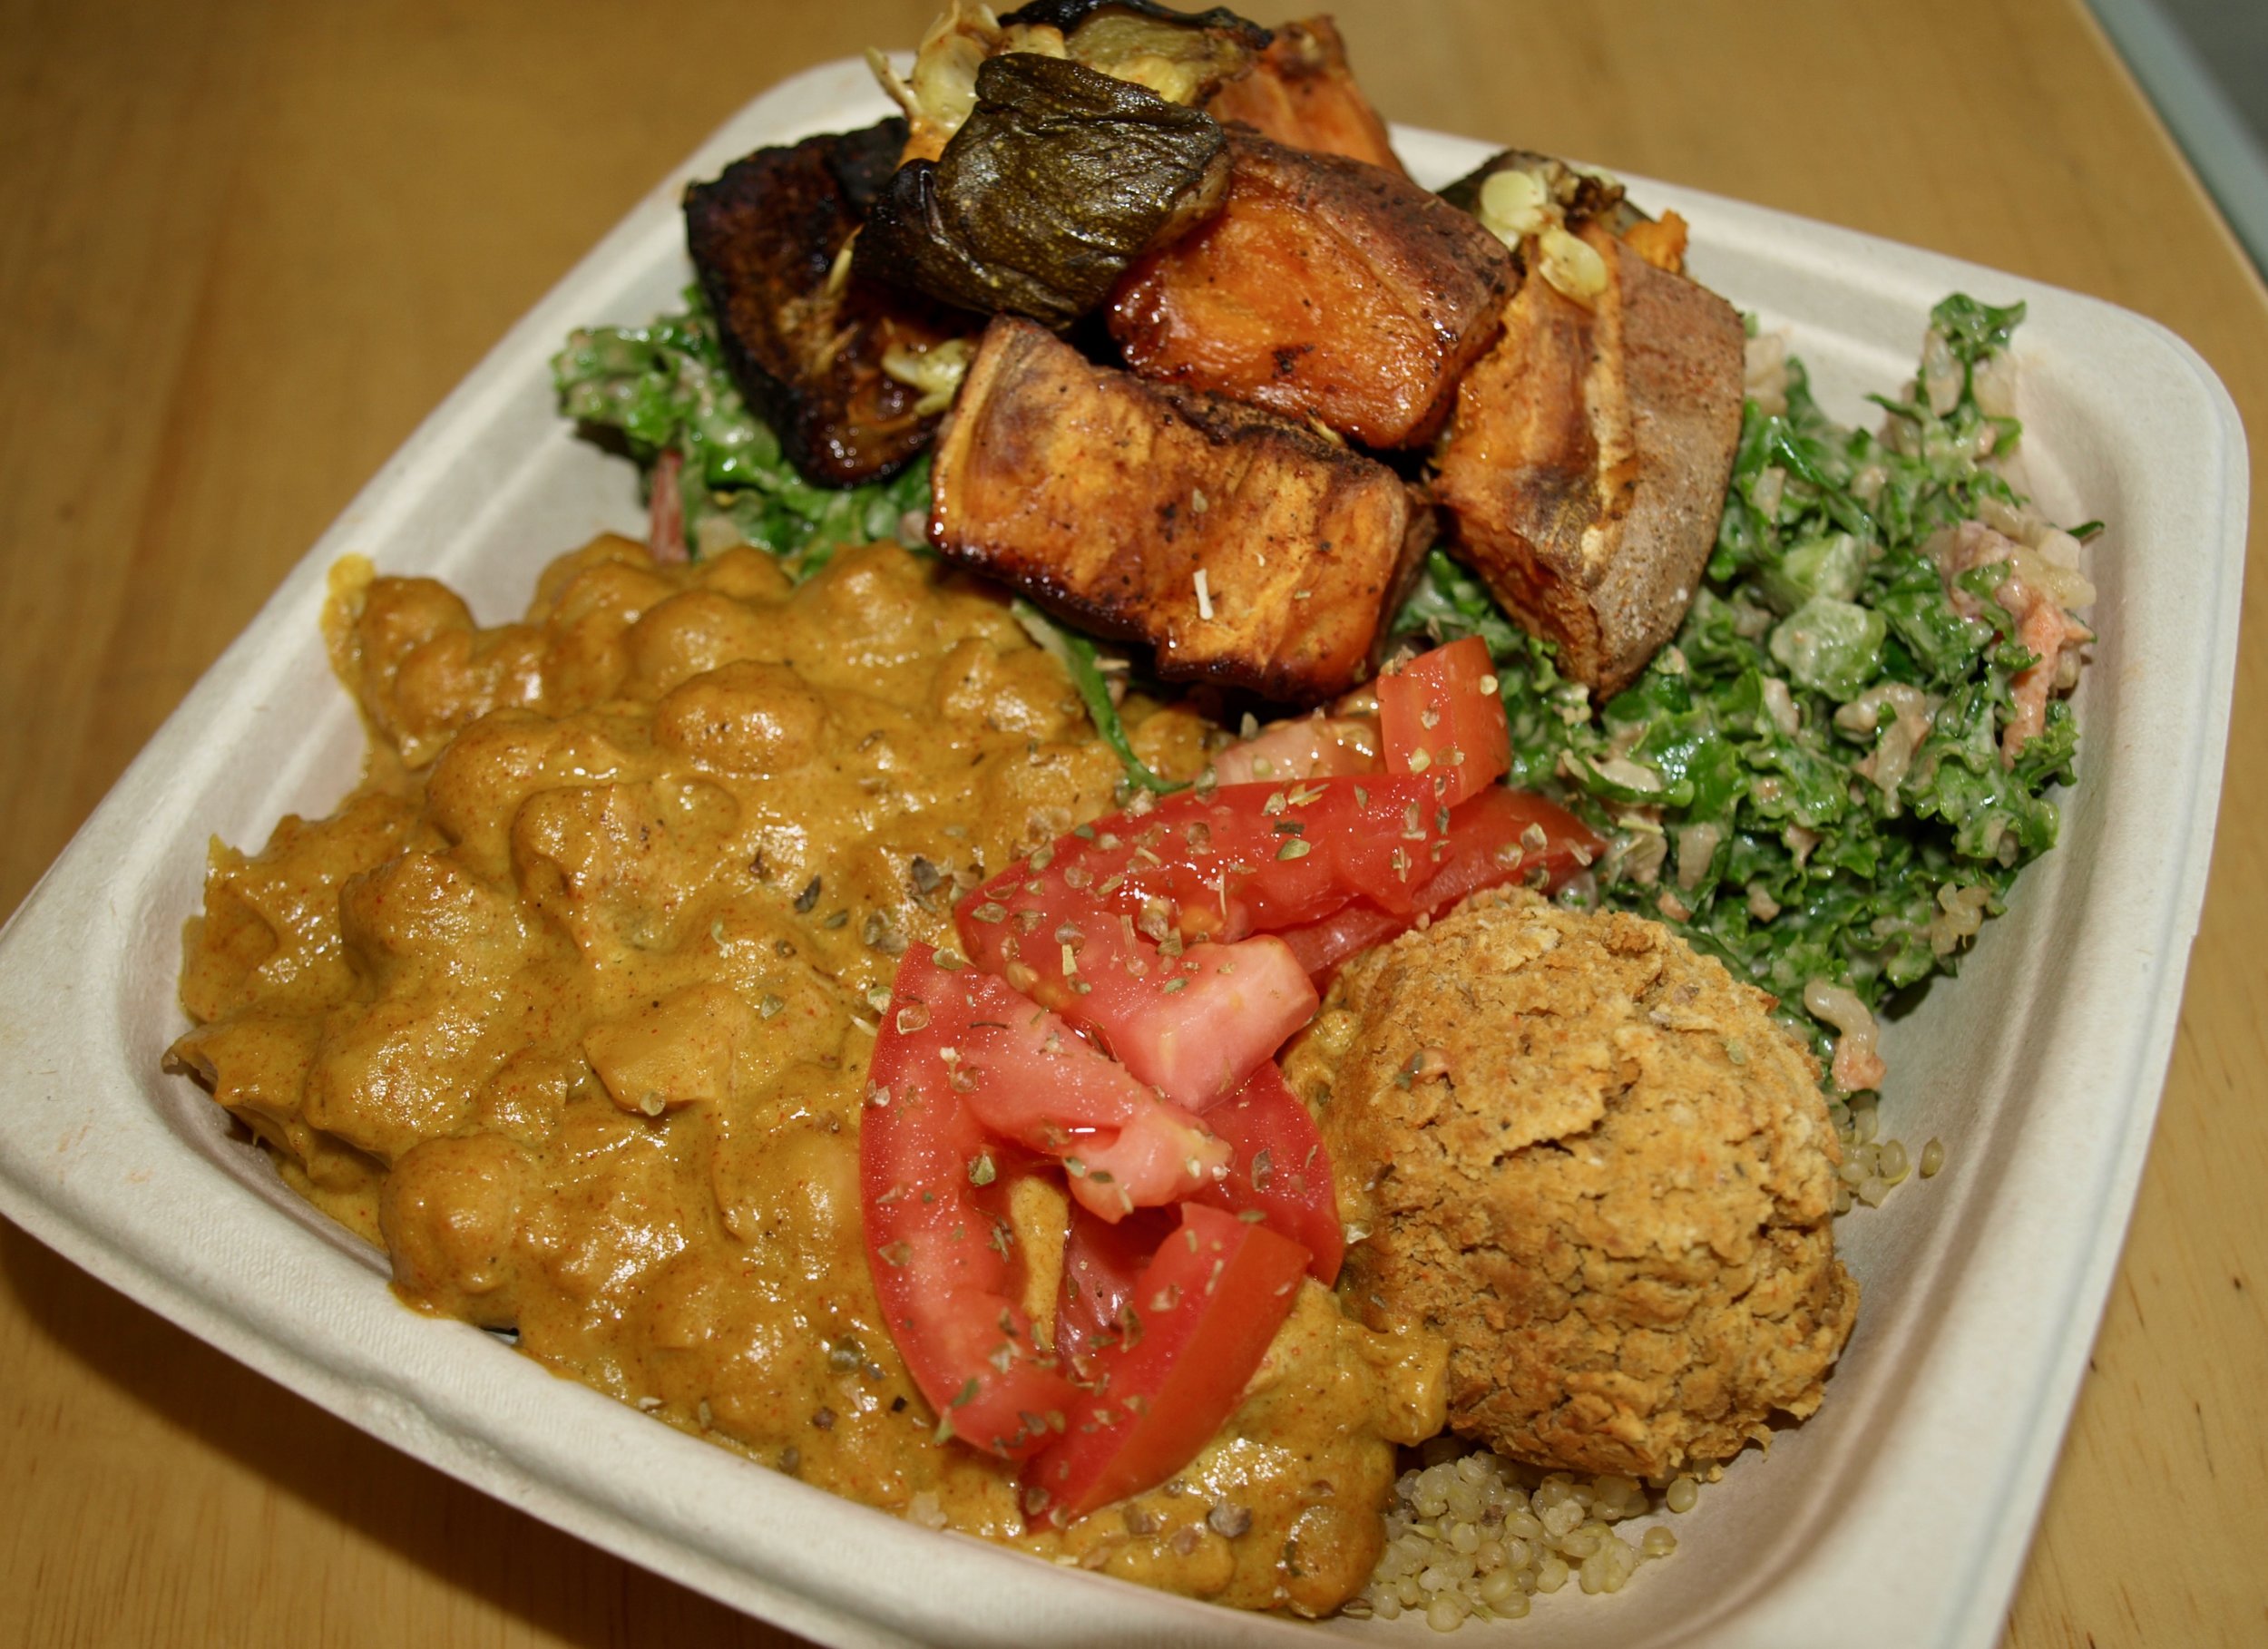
[[665, 387], [1743, 782]]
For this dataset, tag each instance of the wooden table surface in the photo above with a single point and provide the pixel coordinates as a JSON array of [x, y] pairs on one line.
[[247, 245]]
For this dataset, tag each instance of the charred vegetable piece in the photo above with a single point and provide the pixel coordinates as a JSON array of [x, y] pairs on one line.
[[1182, 56], [805, 348], [1247, 550], [1301, 93], [1580, 196], [1059, 178], [1324, 288], [1070, 17], [1585, 470], [1541, 192]]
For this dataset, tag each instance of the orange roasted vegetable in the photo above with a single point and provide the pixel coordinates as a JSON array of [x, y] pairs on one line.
[[1323, 289], [1585, 470], [1247, 550], [1300, 93]]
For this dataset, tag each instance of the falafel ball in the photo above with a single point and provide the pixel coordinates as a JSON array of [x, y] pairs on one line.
[[1589, 1159]]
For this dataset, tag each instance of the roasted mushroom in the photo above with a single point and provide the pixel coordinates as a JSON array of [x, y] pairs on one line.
[[806, 348], [1324, 288], [1059, 178], [1301, 93], [1248, 550]]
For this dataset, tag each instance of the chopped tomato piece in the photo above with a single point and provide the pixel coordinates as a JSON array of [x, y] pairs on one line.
[[946, 1272], [1029, 1077], [1101, 1264], [1202, 1314], [1442, 715], [1227, 1010], [1281, 1175], [1497, 836], [1098, 926], [1312, 747], [1281, 1171]]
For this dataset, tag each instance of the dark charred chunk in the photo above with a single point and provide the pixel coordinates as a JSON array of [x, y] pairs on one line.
[[1058, 180], [1068, 16], [1582, 196], [805, 348]]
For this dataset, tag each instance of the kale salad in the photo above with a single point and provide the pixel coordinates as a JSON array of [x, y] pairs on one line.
[[1815, 781]]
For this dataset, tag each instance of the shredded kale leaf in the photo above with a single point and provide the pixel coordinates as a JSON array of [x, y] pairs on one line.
[[665, 387], [1771, 848]]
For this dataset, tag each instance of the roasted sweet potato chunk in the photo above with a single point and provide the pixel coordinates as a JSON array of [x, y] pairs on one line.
[[1300, 92], [1247, 550], [1585, 469], [805, 349], [1323, 289]]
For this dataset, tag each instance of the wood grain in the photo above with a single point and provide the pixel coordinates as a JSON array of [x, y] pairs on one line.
[[248, 245]]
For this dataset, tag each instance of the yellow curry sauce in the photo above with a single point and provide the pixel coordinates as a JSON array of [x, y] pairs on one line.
[[569, 1007]]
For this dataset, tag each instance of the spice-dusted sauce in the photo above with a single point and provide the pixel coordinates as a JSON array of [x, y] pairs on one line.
[[570, 1005]]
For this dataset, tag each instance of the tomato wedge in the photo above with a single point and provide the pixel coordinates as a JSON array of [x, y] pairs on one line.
[[1442, 715], [1497, 836], [1202, 1314], [947, 1273], [1281, 1169], [1312, 747], [1101, 1264], [1029, 1077], [1281, 1177], [1098, 926]]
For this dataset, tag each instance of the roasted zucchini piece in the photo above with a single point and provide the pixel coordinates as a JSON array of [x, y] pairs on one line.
[[1059, 178], [1248, 550], [1584, 471], [1301, 93], [806, 347], [1324, 288]]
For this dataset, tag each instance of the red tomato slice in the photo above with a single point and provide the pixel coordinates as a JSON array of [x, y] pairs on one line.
[[1282, 1169], [1101, 1264], [1095, 926], [1497, 836], [1235, 1006], [1440, 714], [1313, 747], [1201, 1317], [1281, 1173], [936, 1226], [1029, 1077]]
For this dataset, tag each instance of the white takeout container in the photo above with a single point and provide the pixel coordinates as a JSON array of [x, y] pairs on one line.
[[1899, 1515]]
